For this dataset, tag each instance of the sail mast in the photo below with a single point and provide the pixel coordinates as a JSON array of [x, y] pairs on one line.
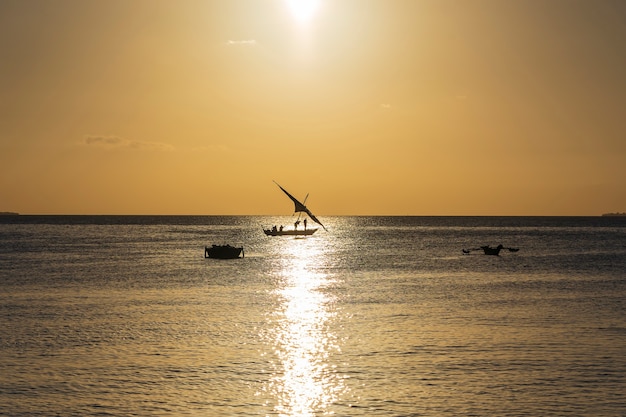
[[299, 207]]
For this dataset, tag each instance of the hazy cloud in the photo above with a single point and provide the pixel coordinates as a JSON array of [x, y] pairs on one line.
[[245, 42], [115, 142], [212, 148]]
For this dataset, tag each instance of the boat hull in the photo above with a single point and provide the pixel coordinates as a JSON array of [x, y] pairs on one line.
[[488, 250], [304, 232], [491, 251], [222, 252]]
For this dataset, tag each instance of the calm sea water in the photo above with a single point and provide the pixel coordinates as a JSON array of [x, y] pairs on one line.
[[379, 316]]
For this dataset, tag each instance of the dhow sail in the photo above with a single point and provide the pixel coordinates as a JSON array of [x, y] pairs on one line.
[[299, 207]]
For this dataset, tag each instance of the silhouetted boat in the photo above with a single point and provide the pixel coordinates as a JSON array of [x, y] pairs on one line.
[[299, 208], [290, 232], [488, 250], [223, 252], [492, 251]]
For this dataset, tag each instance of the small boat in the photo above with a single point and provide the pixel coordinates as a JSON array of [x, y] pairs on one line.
[[291, 232], [492, 251], [488, 250], [298, 208], [223, 252]]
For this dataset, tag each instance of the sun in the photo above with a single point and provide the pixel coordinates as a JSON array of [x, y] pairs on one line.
[[303, 10]]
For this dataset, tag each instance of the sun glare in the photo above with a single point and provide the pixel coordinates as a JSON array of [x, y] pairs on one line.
[[303, 10], [305, 383]]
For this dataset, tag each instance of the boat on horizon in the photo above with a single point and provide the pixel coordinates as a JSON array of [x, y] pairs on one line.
[[488, 250], [289, 232], [299, 208]]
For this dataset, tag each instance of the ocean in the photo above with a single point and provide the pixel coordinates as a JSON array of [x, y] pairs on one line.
[[377, 316]]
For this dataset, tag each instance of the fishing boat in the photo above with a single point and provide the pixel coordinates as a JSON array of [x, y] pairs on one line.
[[223, 252], [492, 251], [488, 250], [291, 232], [299, 208]]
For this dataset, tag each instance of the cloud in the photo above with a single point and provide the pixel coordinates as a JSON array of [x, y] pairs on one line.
[[385, 106], [115, 142], [212, 148], [103, 141], [245, 42]]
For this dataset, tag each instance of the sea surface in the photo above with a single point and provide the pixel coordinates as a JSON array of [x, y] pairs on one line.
[[377, 316]]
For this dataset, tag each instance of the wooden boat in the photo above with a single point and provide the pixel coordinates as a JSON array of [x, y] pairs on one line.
[[488, 250], [290, 232], [223, 252], [492, 251], [299, 208]]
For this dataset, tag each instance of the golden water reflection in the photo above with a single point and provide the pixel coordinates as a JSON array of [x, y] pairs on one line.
[[305, 382]]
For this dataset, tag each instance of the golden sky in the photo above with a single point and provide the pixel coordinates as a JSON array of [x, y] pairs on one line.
[[391, 107]]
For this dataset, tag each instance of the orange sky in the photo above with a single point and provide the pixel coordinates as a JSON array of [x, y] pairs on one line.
[[391, 107]]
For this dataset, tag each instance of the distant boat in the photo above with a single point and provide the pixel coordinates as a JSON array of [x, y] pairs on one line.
[[299, 208], [488, 250], [492, 251], [223, 252]]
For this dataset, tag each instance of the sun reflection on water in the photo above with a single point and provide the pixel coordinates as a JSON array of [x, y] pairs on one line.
[[305, 383]]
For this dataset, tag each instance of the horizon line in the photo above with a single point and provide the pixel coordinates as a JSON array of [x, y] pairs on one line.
[[609, 214]]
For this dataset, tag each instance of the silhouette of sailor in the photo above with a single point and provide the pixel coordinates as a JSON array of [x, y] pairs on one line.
[[304, 224]]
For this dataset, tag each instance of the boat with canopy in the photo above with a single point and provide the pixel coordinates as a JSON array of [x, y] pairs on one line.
[[223, 252]]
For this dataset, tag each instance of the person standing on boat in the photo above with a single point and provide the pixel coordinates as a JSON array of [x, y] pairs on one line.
[[295, 225], [304, 224]]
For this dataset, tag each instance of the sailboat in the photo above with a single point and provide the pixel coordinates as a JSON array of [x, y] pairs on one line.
[[299, 208]]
